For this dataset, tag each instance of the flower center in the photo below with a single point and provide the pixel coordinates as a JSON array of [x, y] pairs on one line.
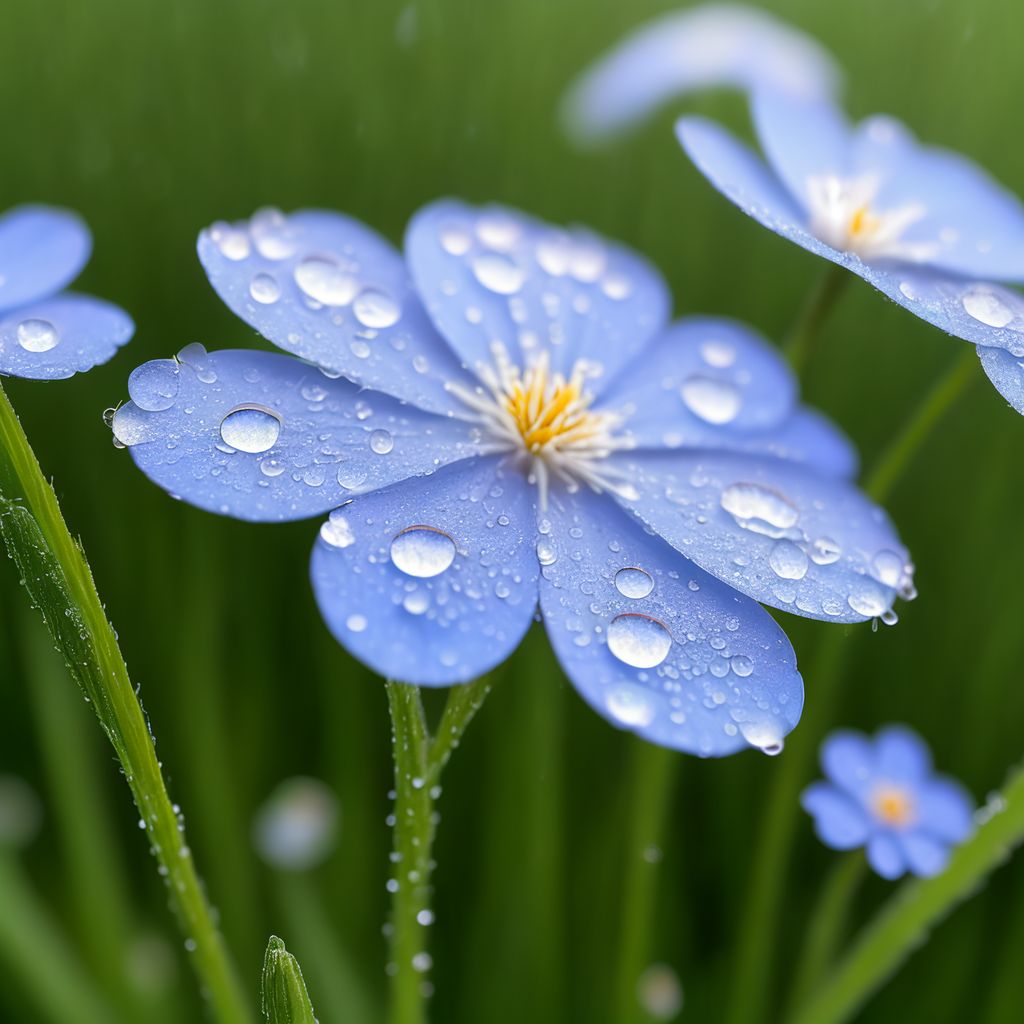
[[893, 805], [843, 216], [547, 418]]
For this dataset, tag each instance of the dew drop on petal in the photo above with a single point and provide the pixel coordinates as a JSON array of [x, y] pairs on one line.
[[617, 286], [381, 441], [825, 551], [272, 467], [498, 274], [422, 551], [714, 401], [337, 531], [741, 665], [455, 239], [868, 602], [987, 308], [553, 254], [630, 705], [375, 309], [634, 583], [638, 640], [587, 262], [323, 280], [232, 242], [417, 602], [35, 335], [547, 551], [888, 567], [251, 428], [264, 288], [356, 623], [788, 561], [497, 232], [272, 233], [751, 504], [351, 474], [154, 385], [359, 349], [719, 354], [767, 736]]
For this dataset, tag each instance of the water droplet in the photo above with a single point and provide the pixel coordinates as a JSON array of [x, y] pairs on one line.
[[36, 335], [741, 665], [314, 393], [422, 551], [630, 705], [868, 602], [634, 583], [251, 428], [272, 467], [351, 474], [420, 364], [987, 308], [547, 551], [587, 262], [154, 385], [264, 288], [638, 640], [314, 476], [375, 309], [232, 242], [381, 441], [759, 509], [714, 401], [337, 531], [417, 602], [788, 561], [765, 735], [273, 235], [324, 280], [825, 551], [501, 589], [356, 623], [719, 354], [455, 239], [617, 286], [251, 376], [498, 232], [553, 254], [888, 567], [359, 348], [498, 274]]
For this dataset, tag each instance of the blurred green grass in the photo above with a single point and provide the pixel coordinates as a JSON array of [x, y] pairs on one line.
[[154, 119]]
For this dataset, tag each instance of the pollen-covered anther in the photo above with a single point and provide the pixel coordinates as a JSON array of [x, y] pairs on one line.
[[548, 419], [843, 215]]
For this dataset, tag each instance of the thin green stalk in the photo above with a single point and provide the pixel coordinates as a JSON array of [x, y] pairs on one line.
[[826, 929], [59, 580], [419, 761], [37, 953], [651, 785], [908, 441], [905, 922], [816, 308]]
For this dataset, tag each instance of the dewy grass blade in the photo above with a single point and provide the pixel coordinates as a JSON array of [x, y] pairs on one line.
[[60, 583]]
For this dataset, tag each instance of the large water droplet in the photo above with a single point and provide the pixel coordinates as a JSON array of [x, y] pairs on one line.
[[788, 561], [741, 665], [633, 583], [759, 509], [719, 354], [264, 288], [422, 551], [825, 551], [251, 428], [351, 473], [36, 335], [274, 236], [381, 441], [630, 705], [337, 531], [323, 280], [714, 401], [377, 310], [869, 602], [767, 736], [498, 274], [638, 640], [455, 239], [888, 567], [232, 242], [987, 308], [547, 551], [154, 385]]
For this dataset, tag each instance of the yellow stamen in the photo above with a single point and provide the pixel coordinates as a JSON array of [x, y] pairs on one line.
[[893, 805]]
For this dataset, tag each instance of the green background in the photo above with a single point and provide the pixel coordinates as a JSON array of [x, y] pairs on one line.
[[153, 120]]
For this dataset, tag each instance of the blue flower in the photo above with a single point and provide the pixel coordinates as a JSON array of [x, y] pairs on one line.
[[506, 417], [924, 225], [883, 794], [44, 335]]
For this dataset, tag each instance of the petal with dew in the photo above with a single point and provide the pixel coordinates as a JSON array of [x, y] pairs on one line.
[[838, 820], [945, 809], [433, 581], [325, 287], [493, 274], [901, 755], [1006, 372], [786, 536], [267, 437], [654, 644], [61, 336], [42, 249], [886, 855]]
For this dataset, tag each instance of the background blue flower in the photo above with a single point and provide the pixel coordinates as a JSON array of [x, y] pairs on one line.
[[883, 794]]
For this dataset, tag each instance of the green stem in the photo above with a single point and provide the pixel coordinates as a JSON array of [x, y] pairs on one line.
[[651, 785], [904, 923], [816, 308], [418, 765], [825, 931], [39, 536], [908, 441]]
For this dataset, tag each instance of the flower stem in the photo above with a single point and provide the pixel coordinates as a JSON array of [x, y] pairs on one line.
[[903, 924], [60, 582], [651, 785], [908, 441], [816, 308], [419, 761]]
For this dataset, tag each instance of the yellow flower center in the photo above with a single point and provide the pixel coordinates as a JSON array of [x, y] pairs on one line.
[[893, 805]]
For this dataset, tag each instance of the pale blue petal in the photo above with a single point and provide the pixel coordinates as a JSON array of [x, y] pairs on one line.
[[325, 287], [945, 809], [925, 856], [683, 51], [699, 667], [838, 821], [1006, 372], [901, 755], [266, 437], [886, 855], [58, 337], [42, 249], [460, 621], [848, 759], [493, 274], [787, 537], [808, 436]]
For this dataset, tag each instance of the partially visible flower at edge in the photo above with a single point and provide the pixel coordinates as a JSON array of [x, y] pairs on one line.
[[45, 335], [882, 793]]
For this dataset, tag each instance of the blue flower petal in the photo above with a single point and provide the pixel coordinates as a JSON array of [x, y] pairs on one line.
[[1006, 372], [839, 822], [811, 438], [886, 855], [42, 249], [901, 755], [848, 759], [433, 581], [58, 337], [697, 666], [493, 274], [787, 537], [683, 51], [325, 287], [266, 437], [945, 809], [924, 855]]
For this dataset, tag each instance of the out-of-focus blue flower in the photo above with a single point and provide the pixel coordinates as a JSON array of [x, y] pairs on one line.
[[297, 827], [697, 48], [883, 794], [505, 417], [45, 335], [924, 225]]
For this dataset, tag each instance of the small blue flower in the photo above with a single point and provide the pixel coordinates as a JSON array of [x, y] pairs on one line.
[[924, 225], [43, 335], [504, 417], [883, 794]]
